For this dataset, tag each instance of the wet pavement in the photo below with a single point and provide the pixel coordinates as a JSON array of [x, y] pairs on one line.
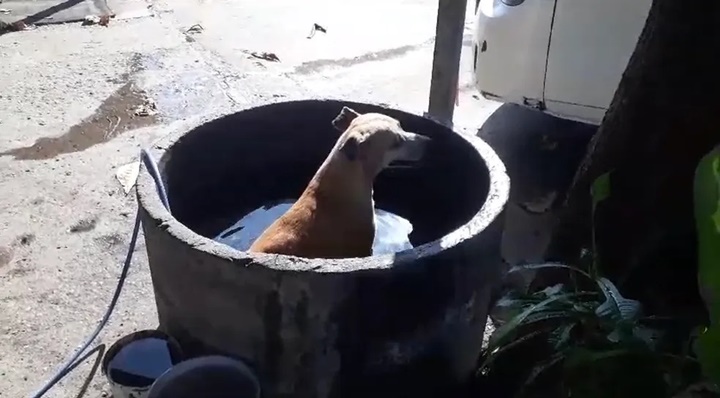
[[78, 101], [126, 109]]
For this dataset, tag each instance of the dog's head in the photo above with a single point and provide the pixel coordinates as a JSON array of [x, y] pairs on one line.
[[377, 140]]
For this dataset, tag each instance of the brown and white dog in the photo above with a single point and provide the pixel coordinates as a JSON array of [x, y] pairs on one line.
[[335, 215]]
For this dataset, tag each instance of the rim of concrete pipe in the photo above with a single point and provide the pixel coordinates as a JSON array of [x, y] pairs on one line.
[[496, 199]]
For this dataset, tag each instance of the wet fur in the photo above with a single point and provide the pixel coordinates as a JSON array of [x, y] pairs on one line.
[[335, 216]]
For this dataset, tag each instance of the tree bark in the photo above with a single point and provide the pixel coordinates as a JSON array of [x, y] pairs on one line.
[[664, 117]]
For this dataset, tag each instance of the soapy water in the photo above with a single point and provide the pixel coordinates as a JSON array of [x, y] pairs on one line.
[[140, 362], [391, 231]]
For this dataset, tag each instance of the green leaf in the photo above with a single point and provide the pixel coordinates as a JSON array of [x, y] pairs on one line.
[[600, 189], [615, 305], [505, 331], [514, 302], [552, 290], [588, 306], [540, 369], [582, 356], [548, 315], [547, 265], [706, 193], [706, 348], [716, 174], [561, 336], [492, 355]]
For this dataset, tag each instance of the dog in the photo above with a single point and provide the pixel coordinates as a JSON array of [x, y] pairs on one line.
[[335, 215]]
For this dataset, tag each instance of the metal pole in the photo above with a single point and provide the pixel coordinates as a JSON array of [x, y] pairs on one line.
[[446, 59]]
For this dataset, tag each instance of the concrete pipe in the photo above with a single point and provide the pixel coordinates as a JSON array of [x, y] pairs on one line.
[[395, 325]]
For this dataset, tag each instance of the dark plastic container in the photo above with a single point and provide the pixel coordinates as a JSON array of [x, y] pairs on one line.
[[134, 362], [207, 377]]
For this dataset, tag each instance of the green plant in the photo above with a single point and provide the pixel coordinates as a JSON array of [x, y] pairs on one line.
[[707, 219], [596, 339], [597, 343]]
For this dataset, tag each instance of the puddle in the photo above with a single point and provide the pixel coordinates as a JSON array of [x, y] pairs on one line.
[[178, 89], [391, 230], [115, 116]]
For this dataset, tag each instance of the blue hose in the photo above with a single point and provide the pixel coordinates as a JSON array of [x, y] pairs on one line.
[[76, 358]]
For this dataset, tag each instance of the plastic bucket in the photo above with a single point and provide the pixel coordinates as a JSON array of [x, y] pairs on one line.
[[207, 377], [134, 362]]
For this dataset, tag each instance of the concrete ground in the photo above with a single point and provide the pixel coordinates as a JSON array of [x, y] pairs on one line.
[[78, 101]]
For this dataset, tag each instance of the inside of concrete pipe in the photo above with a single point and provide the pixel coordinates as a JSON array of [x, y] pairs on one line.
[[228, 167]]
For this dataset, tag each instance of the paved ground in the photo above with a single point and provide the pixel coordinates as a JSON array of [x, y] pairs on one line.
[[69, 100]]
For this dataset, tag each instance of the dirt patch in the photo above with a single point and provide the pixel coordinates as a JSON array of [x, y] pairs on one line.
[[84, 225], [110, 241], [6, 255], [19, 271], [26, 239]]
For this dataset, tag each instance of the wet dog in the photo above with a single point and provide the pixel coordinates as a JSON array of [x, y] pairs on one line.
[[334, 217]]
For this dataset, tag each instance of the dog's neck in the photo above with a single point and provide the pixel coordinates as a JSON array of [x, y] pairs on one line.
[[343, 183]]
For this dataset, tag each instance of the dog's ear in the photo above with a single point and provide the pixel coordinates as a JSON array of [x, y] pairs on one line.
[[351, 148], [342, 121]]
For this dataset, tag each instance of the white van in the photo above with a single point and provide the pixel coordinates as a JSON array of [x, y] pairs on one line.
[[563, 57]]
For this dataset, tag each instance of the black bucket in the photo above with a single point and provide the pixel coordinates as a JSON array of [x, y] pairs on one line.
[[134, 362], [207, 377]]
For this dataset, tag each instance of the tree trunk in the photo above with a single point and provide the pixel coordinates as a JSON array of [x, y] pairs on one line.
[[664, 117]]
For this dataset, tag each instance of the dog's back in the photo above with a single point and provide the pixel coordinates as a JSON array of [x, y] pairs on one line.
[[320, 225]]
